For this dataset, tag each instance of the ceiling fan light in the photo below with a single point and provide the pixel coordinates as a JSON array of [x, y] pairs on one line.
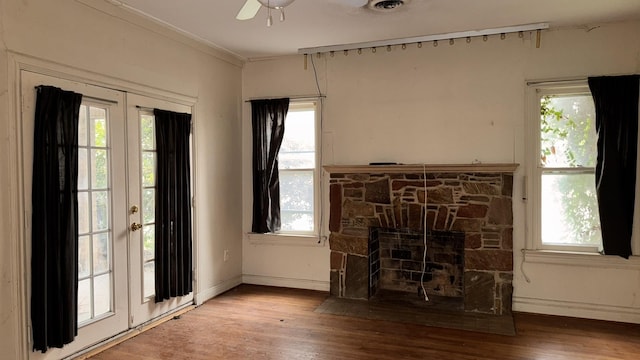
[[275, 4], [281, 14], [269, 20]]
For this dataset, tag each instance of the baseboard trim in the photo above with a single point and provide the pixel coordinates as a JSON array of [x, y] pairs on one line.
[[217, 289], [577, 309], [286, 282]]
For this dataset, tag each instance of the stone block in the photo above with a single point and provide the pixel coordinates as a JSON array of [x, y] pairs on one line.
[[479, 292], [357, 277], [507, 239], [478, 188], [378, 192], [353, 209], [353, 193], [474, 211], [500, 211], [472, 241], [335, 205], [507, 298], [499, 260], [507, 185], [349, 244], [336, 260], [441, 219], [415, 217], [442, 195], [334, 283], [467, 225]]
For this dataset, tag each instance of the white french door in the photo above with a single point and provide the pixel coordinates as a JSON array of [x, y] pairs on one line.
[[102, 244], [142, 182], [116, 189]]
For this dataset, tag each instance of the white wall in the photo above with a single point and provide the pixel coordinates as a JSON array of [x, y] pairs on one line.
[[452, 104], [99, 42]]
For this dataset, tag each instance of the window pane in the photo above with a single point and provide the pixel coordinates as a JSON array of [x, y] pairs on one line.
[[83, 170], [84, 256], [102, 294], [100, 210], [149, 239], [146, 132], [149, 288], [569, 211], [99, 177], [297, 160], [98, 126], [148, 168], [298, 145], [101, 253], [84, 300], [296, 200], [82, 126], [83, 212], [567, 131], [148, 205]]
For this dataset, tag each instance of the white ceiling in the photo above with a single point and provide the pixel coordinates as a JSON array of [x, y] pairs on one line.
[[312, 23]]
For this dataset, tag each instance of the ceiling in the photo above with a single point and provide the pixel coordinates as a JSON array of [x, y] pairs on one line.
[[313, 23]]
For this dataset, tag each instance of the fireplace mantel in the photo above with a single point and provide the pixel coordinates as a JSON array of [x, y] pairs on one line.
[[419, 168]]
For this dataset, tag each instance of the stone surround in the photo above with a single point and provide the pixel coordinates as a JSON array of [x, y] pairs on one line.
[[474, 199]]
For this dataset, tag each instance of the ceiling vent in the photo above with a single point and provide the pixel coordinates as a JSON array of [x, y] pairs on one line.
[[387, 5]]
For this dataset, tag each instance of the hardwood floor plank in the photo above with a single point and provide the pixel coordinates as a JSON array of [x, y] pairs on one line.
[[257, 322]]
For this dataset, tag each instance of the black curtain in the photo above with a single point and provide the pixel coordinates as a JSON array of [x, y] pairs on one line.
[[267, 119], [54, 239], [173, 205], [616, 103]]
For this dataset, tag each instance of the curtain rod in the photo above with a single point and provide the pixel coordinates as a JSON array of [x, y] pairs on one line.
[[297, 97], [144, 108], [545, 82]]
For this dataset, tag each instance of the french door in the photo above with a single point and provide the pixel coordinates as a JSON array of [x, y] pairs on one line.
[[142, 182], [116, 184]]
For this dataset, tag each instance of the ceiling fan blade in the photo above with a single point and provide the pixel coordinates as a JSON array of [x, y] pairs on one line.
[[249, 10], [352, 3]]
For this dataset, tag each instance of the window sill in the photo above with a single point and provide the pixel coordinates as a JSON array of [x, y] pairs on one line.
[[581, 259], [286, 239]]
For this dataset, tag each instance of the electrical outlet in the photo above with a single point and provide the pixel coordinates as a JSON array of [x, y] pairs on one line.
[[226, 255]]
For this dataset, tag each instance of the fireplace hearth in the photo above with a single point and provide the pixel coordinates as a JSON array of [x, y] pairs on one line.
[[377, 224]]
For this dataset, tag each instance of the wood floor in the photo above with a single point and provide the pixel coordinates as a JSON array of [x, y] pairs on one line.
[[255, 322]]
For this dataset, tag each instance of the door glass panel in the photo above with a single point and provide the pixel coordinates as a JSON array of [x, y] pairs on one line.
[[148, 167], [100, 210], [98, 124], [148, 172], [84, 300], [83, 212], [84, 257], [83, 169], [95, 285], [99, 170], [149, 279], [149, 205], [149, 242], [102, 297], [100, 253]]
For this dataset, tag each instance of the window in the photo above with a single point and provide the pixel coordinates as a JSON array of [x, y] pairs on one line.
[[298, 170], [563, 158]]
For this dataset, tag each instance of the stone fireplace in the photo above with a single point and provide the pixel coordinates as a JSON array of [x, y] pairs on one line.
[[377, 224]]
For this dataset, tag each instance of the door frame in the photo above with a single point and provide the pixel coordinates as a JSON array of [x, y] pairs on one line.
[[20, 265]]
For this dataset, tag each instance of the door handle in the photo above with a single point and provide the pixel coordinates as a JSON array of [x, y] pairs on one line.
[[135, 226]]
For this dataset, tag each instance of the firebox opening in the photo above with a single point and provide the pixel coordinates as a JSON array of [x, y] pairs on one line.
[[396, 268]]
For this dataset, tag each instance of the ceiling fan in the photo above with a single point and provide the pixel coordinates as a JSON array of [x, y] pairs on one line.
[[251, 8]]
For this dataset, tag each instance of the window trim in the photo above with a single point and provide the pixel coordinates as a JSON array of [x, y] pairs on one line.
[[534, 181], [307, 238]]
